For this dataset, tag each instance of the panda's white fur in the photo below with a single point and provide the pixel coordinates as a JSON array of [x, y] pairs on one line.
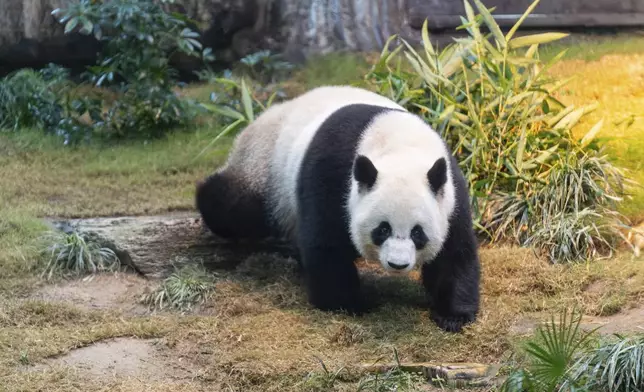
[[304, 116], [403, 148]]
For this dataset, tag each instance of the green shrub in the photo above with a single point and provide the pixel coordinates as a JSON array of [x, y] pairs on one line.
[[138, 40], [265, 67], [238, 104], [531, 181], [563, 358], [615, 365], [43, 99]]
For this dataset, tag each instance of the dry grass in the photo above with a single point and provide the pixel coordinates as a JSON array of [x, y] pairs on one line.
[[257, 332]]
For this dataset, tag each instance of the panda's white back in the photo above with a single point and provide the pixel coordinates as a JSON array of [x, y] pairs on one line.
[[303, 116]]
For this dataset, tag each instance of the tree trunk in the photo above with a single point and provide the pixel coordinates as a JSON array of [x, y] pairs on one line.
[[322, 26]]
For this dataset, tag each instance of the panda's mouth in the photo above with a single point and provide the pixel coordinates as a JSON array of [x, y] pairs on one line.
[[397, 266]]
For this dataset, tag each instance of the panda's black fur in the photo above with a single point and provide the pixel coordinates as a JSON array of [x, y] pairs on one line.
[[326, 250]]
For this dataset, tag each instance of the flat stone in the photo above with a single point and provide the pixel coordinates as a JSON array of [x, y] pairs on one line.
[[154, 245]]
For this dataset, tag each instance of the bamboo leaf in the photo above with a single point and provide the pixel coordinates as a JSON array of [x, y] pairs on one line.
[[532, 39], [224, 111], [469, 12], [247, 102], [592, 133], [573, 118], [514, 28], [491, 23], [426, 42]]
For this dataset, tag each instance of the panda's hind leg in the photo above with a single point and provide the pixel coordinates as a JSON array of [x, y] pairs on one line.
[[230, 210]]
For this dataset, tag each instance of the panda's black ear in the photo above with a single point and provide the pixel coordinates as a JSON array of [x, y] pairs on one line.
[[437, 175], [364, 171]]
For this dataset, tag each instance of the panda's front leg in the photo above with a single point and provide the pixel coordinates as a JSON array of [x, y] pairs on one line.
[[331, 278], [452, 282]]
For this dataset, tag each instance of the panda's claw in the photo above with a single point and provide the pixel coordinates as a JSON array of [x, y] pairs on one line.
[[452, 323]]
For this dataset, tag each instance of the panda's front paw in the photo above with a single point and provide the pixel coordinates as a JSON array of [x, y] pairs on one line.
[[454, 323]]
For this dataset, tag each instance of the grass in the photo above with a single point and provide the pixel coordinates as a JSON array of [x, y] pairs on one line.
[[40, 178], [189, 285], [255, 332], [76, 254]]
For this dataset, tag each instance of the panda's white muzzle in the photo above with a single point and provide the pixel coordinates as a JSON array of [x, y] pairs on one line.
[[398, 255]]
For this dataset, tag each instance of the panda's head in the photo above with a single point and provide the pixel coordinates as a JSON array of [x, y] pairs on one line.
[[400, 208]]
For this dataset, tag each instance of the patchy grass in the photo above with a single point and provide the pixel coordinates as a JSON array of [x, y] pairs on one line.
[[614, 82], [42, 178], [256, 331], [592, 47]]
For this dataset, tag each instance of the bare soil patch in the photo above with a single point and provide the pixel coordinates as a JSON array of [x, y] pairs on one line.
[[122, 358], [119, 291], [626, 321]]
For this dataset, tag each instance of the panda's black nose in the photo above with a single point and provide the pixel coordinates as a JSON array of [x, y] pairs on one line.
[[398, 266]]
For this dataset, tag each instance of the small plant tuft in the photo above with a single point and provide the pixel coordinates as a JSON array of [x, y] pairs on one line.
[[395, 379], [73, 253], [188, 285]]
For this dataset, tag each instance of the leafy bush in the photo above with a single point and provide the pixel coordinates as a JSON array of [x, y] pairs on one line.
[[76, 253], [138, 40], [265, 67], [562, 358], [238, 104], [43, 99], [617, 365], [531, 180], [186, 286]]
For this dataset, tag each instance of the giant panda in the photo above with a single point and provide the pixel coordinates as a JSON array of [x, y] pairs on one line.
[[343, 172]]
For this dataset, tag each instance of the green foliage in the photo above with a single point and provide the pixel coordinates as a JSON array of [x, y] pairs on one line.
[[321, 381], [617, 365], [238, 104], [75, 254], [188, 285], [42, 99], [562, 358], [265, 67], [138, 40], [531, 180]]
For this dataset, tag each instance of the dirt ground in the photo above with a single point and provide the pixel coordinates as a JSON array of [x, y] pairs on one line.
[[258, 333]]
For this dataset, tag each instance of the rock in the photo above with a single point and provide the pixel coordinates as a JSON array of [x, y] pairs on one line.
[[456, 375], [153, 245]]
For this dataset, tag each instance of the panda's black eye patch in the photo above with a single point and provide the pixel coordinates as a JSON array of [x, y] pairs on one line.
[[380, 234], [419, 237]]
